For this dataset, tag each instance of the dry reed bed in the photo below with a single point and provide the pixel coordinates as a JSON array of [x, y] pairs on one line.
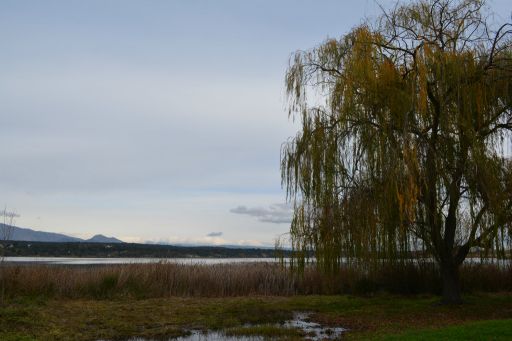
[[244, 279]]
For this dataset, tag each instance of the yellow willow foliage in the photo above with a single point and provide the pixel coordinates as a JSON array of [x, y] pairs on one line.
[[406, 154], [422, 85], [363, 62]]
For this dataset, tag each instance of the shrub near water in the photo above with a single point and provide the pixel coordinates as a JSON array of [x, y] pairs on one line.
[[223, 280]]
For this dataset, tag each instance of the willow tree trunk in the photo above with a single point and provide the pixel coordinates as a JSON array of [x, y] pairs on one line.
[[451, 283]]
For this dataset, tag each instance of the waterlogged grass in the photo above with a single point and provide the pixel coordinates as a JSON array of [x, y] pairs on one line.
[[266, 331], [381, 317]]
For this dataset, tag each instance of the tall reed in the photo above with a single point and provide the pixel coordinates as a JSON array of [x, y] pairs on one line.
[[223, 280]]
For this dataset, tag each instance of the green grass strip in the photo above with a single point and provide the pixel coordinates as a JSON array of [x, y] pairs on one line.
[[480, 330]]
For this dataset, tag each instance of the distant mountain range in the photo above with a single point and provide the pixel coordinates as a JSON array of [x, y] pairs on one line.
[[29, 235], [227, 246]]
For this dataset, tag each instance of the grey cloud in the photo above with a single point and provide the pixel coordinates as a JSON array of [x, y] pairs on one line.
[[132, 129], [214, 234], [276, 213]]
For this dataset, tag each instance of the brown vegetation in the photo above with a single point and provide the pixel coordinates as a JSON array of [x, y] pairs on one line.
[[223, 280]]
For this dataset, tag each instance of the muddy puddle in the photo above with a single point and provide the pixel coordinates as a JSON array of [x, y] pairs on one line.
[[314, 331], [301, 321]]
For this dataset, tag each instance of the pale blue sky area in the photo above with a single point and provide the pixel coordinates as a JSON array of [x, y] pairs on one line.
[[155, 120]]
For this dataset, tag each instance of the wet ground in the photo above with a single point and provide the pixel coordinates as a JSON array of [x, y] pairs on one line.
[[313, 331]]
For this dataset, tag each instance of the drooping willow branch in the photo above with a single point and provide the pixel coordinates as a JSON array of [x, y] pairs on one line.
[[403, 154]]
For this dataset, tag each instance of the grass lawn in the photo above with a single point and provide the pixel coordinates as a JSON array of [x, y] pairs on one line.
[[383, 317], [479, 330]]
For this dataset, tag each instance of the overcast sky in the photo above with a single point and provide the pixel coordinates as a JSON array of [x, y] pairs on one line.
[[154, 120]]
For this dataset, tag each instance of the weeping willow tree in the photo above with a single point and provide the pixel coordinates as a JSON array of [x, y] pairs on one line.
[[404, 146]]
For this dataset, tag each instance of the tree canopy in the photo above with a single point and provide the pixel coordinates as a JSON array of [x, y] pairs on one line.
[[404, 146]]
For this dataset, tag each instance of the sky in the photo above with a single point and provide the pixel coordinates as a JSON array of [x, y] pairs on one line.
[[155, 121]]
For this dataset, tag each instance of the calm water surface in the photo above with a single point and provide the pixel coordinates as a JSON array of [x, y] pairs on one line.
[[312, 331], [99, 261], [106, 261]]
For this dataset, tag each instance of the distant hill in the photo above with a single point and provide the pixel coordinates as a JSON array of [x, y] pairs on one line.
[[29, 235], [26, 242], [99, 238], [129, 250]]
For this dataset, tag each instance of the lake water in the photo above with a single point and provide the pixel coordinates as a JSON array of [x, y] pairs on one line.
[[105, 261]]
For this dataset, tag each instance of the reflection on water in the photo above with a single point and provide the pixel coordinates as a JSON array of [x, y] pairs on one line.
[[209, 336], [312, 331]]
